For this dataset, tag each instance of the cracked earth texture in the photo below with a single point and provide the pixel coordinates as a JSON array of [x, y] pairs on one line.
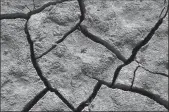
[[75, 64]]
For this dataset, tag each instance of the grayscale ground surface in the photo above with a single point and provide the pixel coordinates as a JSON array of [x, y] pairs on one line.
[[70, 66]]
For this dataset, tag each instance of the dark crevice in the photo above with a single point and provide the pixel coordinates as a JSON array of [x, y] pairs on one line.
[[32, 102], [138, 47], [27, 16], [102, 42], [138, 90], [134, 76], [82, 17], [90, 98], [153, 72], [39, 71]]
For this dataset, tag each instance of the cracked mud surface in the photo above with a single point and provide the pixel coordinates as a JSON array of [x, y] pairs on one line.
[[70, 66]]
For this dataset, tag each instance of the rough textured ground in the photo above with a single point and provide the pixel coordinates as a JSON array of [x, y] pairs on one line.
[[68, 67]]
